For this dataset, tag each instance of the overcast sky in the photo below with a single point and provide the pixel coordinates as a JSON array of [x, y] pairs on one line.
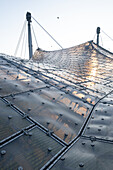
[[70, 22]]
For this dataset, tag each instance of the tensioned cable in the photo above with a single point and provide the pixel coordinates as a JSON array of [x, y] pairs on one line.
[[35, 36], [25, 44], [94, 37], [20, 38], [47, 32], [107, 35], [23, 40]]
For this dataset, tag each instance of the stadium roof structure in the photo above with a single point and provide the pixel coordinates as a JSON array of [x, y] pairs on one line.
[[56, 110]]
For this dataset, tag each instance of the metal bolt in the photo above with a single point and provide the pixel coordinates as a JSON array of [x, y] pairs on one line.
[[49, 149], [30, 133], [83, 143], [8, 104], [92, 145], [60, 114], [9, 117], [48, 123], [3, 152], [81, 164], [93, 138], [20, 168], [29, 109], [104, 102], [31, 90], [63, 158], [65, 134]]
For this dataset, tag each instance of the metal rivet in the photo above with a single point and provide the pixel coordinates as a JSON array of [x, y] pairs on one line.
[[99, 129], [43, 103], [63, 158], [102, 119], [70, 108], [53, 98], [76, 123], [88, 127], [3, 152], [93, 138], [92, 117], [81, 164]]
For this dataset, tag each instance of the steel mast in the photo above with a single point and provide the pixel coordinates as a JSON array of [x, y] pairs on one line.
[[28, 18]]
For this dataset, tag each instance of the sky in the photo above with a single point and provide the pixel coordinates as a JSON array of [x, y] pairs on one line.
[[70, 22]]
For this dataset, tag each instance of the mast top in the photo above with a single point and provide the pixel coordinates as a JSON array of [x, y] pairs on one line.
[[28, 16]]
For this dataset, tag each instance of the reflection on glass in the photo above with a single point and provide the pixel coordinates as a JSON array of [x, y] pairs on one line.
[[80, 95], [93, 69]]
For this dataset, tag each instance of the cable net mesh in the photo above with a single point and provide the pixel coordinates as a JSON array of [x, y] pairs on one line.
[[71, 58]]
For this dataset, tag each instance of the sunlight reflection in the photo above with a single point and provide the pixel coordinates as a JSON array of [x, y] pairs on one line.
[[93, 67], [80, 95]]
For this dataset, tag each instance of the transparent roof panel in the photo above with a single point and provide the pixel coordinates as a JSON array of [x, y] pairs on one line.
[[10, 121], [29, 151], [66, 96]]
